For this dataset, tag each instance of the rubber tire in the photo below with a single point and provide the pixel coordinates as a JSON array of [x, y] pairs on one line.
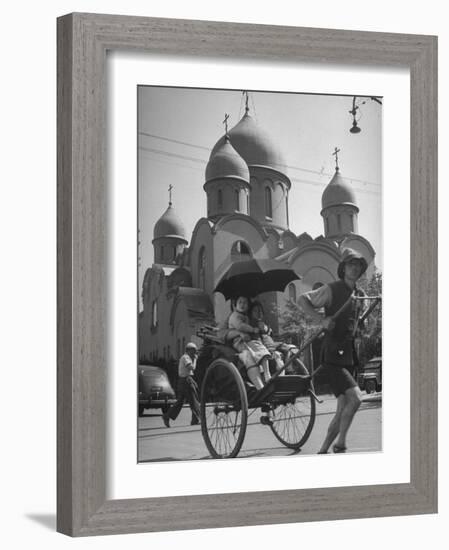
[[283, 412], [233, 378], [370, 386]]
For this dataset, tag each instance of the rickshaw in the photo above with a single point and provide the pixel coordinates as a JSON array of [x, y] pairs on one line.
[[227, 396]]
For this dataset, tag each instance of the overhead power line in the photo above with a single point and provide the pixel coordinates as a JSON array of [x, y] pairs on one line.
[[204, 161]]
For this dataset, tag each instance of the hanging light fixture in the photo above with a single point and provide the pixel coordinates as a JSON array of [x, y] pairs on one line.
[[355, 128]]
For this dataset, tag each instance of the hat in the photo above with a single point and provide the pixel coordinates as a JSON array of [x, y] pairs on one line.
[[191, 345], [348, 255]]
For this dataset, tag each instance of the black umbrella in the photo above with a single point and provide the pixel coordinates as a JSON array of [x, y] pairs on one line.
[[252, 277]]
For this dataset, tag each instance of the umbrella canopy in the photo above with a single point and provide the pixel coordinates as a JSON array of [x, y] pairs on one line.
[[252, 277]]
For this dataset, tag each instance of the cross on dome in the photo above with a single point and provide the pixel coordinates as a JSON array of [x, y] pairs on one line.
[[225, 122], [335, 153], [246, 94]]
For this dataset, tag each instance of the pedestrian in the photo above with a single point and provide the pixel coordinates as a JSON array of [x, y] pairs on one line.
[[187, 388], [338, 356]]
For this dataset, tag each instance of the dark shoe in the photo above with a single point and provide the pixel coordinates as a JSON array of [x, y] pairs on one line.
[[266, 421], [194, 422], [339, 448], [166, 419], [322, 453]]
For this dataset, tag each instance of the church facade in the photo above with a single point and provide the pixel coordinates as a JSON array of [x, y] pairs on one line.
[[247, 189]]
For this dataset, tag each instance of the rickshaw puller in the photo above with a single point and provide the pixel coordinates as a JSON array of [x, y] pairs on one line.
[[338, 357]]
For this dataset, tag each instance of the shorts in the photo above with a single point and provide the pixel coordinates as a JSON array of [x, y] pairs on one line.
[[340, 378]]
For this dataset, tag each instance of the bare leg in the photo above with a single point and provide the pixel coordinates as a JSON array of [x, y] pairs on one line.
[[254, 376], [353, 398], [334, 426], [278, 360], [266, 369]]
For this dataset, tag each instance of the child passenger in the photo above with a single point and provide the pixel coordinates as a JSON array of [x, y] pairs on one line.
[[252, 352], [256, 316], [278, 350]]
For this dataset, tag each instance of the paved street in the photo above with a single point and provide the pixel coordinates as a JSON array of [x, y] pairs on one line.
[[184, 442]]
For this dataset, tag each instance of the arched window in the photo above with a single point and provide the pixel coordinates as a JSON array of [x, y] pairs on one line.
[[268, 203], [220, 199], [351, 222], [154, 313], [162, 253], [240, 248], [174, 253], [247, 202], [237, 200], [339, 222], [202, 268], [292, 292]]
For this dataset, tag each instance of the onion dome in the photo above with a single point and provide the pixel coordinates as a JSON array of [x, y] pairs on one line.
[[338, 192], [169, 225], [226, 163], [253, 144]]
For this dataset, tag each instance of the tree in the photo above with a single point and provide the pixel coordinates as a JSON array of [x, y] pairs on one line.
[[370, 338], [296, 326]]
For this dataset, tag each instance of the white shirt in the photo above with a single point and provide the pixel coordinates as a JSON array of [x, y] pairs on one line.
[[186, 366]]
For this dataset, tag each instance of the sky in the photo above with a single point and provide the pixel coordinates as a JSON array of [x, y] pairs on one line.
[[178, 128]]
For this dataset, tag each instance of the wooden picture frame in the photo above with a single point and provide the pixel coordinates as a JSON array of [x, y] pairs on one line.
[[83, 40]]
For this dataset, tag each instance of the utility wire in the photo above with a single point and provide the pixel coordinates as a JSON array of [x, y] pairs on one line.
[[316, 172], [290, 167]]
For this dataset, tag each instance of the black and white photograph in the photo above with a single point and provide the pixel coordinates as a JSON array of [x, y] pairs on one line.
[[259, 274]]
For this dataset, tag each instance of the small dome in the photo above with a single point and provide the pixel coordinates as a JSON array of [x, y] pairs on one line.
[[226, 162], [338, 191], [253, 144], [169, 225]]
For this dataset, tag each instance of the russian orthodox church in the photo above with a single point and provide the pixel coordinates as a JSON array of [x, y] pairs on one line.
[[247, 188]]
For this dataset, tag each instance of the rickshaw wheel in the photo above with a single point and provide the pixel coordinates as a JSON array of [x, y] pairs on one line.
[[224, 409], [292, 422]]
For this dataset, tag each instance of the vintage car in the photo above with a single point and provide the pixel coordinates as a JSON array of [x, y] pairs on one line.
[[155, 391], [370, 376]]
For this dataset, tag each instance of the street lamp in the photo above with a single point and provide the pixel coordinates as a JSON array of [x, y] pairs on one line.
[[355, 127]]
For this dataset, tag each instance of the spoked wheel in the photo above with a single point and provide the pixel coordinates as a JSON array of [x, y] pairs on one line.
[[293, 421], [224, 409]]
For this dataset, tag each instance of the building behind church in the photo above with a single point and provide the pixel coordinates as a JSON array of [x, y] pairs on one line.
[[247, 187]]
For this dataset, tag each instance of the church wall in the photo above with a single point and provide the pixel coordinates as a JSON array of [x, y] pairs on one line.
[[155, 338], [202, 240], [289, 241], [273, 245], [167, 250], [231, 231], [340, 220], [222, 198], [314, 265], [262, 178]]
